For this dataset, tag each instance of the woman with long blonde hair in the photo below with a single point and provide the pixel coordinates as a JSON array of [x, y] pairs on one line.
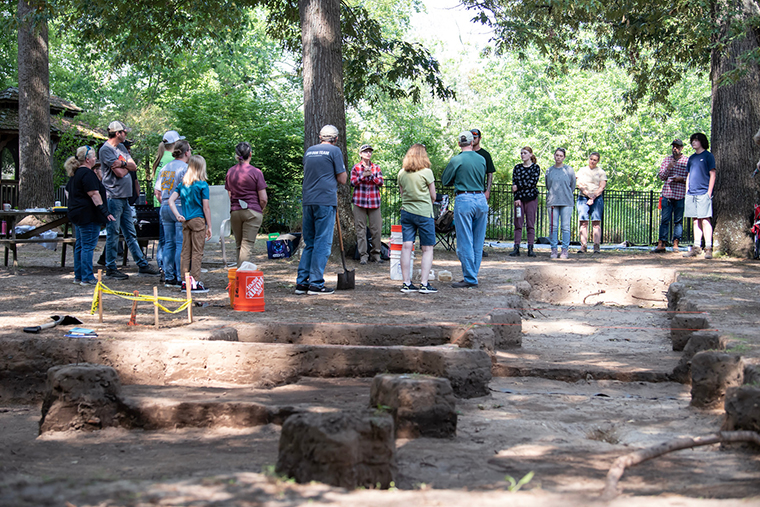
[[416, 184], [196, 219]]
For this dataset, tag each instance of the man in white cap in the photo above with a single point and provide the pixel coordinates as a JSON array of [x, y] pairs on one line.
[[467, 172], [116, 163], [323, 169]]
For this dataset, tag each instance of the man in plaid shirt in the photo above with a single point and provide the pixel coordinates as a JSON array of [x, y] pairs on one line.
[[673, 173], [367, 178]]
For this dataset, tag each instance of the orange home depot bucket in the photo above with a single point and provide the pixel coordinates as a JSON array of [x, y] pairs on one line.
[[249, 291], [232, 277], [396, 228], [396, 246]]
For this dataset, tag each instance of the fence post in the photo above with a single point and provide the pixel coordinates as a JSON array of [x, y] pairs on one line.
[[651, 214]]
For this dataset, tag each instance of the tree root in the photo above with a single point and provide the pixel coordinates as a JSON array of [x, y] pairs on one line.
[[634, 458]]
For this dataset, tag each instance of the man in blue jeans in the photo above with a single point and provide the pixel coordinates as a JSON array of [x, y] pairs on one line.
[[116, 163], [323, 169], [673, 173], [466, 172]]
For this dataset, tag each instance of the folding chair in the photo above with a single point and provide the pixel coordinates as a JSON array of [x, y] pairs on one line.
[[445, 232]]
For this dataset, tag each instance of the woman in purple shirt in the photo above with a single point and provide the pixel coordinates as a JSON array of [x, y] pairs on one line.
[[248, 197]]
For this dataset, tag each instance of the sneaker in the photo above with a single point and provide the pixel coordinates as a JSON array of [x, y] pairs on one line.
[[554, 254], [409, 287], [708, 253], [363, 262], [183, 287], [381, 261], [148, 270], [428, 289], [313, 289], [463, 284], [115, 274], [91, 281], [563, 255], [695, 250], [172, 283], [199, 288], [77, 281], [302, 289]]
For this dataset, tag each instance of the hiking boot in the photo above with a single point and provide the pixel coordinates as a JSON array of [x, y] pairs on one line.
[[708, 252], [554, 253], [583, 249], [530, 251], [363, 262], [675, 245], [695, 250], [301, 289], [463, 284], [428, 289], [148, 270], [515, 251], [409, 287], [597, 248], [115, 274], [563, 255], [313, 289]]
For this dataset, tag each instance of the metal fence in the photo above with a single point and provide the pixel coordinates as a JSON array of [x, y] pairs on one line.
[[628, 215]]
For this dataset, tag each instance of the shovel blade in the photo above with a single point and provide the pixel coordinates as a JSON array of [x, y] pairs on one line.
[[346, 280]]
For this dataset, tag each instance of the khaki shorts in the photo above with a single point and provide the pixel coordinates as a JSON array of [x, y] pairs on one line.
[[697, 206]]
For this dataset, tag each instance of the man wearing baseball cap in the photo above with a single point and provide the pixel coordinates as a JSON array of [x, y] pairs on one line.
[[323, 170], [116, 164], [673, 173], [367, 178], [467, 172], [477, 135]]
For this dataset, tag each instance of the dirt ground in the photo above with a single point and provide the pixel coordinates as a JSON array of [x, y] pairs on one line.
[[567, 433]]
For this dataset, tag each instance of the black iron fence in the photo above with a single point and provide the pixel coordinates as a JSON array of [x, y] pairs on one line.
[[629, 216]]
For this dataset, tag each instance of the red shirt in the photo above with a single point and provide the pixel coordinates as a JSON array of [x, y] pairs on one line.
[[366, 188], [243, 182], [672, 190]]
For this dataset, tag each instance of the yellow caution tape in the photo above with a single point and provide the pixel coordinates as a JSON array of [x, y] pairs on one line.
[[132, 297]]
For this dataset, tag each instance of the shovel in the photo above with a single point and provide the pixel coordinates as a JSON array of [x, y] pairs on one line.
[[346, 280], [66, 320]]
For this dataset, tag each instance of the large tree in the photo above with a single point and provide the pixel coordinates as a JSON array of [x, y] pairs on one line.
[[35, 169], [658, 42]]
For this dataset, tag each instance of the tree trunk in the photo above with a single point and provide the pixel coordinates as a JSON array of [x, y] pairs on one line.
[[735, 118], [323, 90], [35, 169]]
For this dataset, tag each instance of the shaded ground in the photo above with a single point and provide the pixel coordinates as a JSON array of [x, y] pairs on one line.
[[568, 433]]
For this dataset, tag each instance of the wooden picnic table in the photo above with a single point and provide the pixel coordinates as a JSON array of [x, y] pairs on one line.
[[11, 239]]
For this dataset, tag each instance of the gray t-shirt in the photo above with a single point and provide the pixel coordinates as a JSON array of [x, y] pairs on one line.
[[171, 175], [321, 164], [560, 184], [116, 188]]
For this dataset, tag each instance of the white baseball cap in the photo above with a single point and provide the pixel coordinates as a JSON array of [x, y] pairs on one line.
[[172, 136], [117, 126]]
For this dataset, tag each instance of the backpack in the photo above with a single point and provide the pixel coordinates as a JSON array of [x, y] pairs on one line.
[[445, 221]]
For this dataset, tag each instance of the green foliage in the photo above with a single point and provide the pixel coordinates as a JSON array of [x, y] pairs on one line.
[[514, 486]]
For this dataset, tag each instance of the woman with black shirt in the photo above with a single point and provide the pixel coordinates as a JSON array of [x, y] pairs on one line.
[[524, 181], [87, 210]]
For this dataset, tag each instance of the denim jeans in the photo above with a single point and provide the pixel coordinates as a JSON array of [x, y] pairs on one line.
[[172, 243], [160, 249], [470, 217], [87, 240], [122, 212], [563, 214], [318, 224], [671, 208]]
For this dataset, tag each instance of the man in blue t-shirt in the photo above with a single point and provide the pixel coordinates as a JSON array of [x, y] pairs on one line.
[[323, 169], [700, 183]]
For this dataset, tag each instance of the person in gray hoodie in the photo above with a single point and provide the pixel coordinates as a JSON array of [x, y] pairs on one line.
[[560, 183]]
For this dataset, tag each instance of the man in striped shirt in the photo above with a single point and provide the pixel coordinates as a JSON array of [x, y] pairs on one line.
[[673, 173], [367, 178]]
